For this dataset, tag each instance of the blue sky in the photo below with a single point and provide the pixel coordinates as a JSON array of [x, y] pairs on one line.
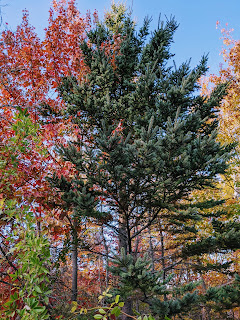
[[196, 35]]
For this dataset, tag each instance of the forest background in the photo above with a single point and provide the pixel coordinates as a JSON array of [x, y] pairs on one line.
[[60, 245]]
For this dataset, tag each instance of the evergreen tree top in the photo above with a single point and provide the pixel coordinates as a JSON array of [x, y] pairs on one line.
[[133, 78], [166, 145]]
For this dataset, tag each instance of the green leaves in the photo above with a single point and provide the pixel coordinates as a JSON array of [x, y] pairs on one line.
[[101, 311], [31, 277], [98, 316], [146, 318], [116, 311], [37, 289], [117, 298], [104, 312]]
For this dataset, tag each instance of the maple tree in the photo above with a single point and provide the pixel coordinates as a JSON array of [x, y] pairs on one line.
[[30, 72], [33, 121]]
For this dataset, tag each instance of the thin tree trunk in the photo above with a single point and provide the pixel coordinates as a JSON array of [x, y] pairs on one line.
[[125, 243], [107, 256], [151, 249], [123, 236], [99, 273], [74, 262], [38, 228], [205, 309], [162, 254]]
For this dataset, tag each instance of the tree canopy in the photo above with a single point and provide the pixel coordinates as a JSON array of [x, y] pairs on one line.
[[111, 167]]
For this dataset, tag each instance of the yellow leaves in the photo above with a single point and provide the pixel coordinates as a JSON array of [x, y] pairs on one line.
[[83, 310], [117, 298], [74, 306], [1, 202], [106, 294]]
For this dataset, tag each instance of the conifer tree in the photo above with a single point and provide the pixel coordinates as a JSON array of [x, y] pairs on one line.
[[147, 140]]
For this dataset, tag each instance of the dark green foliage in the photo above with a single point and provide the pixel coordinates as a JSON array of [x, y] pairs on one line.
[[77, 196], [226, 236], [138, 281], [148, 139], [136, 274], [225, 296], [174, 306]]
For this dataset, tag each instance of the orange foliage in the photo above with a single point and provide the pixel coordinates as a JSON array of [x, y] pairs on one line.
[[31, 69], [30, 73]]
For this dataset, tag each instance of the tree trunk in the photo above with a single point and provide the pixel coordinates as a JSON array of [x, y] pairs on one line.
[[151, 249], [123, 236], [125, 243], [107, 256], [205, 309], [128, 309], [162, 254], [74, 263]]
